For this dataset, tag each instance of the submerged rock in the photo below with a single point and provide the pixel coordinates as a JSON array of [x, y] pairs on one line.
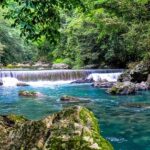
[[74, 128], [123, 88], [137, 105], [71, 99], [30, 94]]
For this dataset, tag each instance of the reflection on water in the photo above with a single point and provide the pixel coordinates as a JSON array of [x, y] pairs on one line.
[[126, 127]]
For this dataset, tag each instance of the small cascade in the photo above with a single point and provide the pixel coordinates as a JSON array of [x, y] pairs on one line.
[[111, 77], [52, 77], [8, 81]]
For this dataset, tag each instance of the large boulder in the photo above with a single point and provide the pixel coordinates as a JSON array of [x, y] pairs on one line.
[[74, 128], [138, 74], [123, 88], [60, 66]]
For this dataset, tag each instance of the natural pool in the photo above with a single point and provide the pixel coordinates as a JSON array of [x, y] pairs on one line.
[[126, 127]]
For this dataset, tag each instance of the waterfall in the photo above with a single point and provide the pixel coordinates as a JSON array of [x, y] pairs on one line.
[[112, 77], [57, 76]]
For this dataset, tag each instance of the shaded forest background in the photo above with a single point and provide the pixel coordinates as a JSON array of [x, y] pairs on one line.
[[100, 33]]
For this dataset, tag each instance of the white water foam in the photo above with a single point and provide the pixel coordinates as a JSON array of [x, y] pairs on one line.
[[12, 81], [8, 81], [111, 77]]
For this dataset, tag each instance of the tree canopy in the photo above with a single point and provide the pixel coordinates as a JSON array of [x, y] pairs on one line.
[[38, 18], [110, 33]]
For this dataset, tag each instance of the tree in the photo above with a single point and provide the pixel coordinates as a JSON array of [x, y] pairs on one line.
[[38, 18]]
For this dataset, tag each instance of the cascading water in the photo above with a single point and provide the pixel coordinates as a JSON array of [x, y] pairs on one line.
[[111, 77], [48, 77]]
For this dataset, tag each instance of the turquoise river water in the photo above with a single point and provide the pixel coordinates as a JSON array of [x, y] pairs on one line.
[[127, 128]]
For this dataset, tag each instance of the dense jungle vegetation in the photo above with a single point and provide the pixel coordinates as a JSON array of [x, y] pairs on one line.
[[101, 33]]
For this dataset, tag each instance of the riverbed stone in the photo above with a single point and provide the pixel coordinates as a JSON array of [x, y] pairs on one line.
[[73, 128]]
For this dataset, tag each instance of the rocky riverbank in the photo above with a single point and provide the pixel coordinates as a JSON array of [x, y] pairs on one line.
[[133, 80], [73, 128]]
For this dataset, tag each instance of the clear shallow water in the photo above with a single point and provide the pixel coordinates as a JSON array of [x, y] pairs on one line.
[[126, 128]]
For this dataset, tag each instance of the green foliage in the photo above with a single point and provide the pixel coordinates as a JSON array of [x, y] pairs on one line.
[[38, 18], [110, 33], [13, 49]]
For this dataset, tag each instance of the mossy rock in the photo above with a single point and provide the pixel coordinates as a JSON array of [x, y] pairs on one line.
[[74, 128], [30, 94], [123, 88]]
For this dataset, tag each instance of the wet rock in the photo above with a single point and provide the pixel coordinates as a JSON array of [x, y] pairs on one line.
[[30, 94], [123, 88], [148, 79], [1, 82], [60, 66], [138, 74], [22, 84], [104, 84], [73, 128], [124, 77], [83, 81], [71, 99], [142, 86]]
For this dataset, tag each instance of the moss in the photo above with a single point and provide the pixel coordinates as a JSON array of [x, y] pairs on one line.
[[16, 118], [113, 90], [74, 128]]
